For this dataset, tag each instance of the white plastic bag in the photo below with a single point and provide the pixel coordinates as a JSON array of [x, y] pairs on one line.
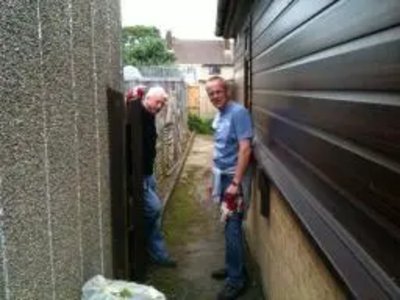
[[100, 288]]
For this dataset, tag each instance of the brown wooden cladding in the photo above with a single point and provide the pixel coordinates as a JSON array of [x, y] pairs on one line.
[[273, 25], [326, 108], [370, 189], [342, 22], [343, 115], [363, 64]]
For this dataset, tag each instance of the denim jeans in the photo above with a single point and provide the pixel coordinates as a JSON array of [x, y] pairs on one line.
[[152, 219], [234, 242]]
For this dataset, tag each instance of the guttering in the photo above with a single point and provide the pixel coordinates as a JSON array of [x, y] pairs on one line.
[[227, 10]]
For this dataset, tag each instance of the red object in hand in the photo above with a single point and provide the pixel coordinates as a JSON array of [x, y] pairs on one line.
[[230, 201]]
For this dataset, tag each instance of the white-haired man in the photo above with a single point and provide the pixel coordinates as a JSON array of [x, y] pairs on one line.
[[149, 105]]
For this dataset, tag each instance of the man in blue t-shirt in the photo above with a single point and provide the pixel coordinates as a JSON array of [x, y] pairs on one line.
[[232, 151]]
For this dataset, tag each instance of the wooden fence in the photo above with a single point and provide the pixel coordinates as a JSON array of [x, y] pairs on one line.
[[198, 101]]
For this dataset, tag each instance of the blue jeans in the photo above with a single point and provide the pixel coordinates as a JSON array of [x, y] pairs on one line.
[[234, 244], [152, 218]]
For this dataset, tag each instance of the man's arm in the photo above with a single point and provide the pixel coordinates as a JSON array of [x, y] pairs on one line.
[[243, 161], [244, 132]]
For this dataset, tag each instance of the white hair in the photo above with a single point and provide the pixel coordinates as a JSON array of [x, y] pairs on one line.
[[156, 91]]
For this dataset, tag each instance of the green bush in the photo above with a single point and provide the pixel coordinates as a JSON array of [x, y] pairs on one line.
[[199, 125]]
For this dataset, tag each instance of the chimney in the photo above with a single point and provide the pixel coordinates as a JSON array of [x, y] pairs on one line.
[[228, 53], [168, 39], [227, 44]]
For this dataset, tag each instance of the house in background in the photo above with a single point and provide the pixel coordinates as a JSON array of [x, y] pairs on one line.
[[200, 59]]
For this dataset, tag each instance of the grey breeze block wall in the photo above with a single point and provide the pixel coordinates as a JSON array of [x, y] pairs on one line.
[[57, 58]]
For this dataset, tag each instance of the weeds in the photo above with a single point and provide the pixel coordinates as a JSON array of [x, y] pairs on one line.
[[200, 125]]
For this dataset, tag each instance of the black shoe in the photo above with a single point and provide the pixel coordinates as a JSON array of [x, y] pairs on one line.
[[165, 262], [230, 292], [219, 274]]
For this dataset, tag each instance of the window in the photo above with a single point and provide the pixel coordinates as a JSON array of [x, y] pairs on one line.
[[264, 186], [214, 70]]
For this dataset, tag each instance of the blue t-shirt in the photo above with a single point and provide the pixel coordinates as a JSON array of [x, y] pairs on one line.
[[232, 124]]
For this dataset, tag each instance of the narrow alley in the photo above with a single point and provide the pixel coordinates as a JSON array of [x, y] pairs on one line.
[[100, 99], [194, 235]]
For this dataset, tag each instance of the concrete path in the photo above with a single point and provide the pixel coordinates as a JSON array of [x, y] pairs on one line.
[[194, 235]]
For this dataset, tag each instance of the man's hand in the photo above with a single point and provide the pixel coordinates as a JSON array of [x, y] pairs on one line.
[[232, 190], [134, 93]]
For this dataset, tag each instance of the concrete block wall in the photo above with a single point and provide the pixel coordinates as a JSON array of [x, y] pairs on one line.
[[57, 59], [290, 266]]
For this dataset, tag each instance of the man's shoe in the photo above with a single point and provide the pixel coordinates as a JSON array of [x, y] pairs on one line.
[[219, 274], [230, 292], [165, 262]]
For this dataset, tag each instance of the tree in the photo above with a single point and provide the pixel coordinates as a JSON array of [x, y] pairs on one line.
[[144, 46]]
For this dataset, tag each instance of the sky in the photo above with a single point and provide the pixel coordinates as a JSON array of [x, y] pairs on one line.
[[188, 19]]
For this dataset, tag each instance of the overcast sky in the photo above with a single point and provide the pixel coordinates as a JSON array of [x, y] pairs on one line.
[[186, 18]]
